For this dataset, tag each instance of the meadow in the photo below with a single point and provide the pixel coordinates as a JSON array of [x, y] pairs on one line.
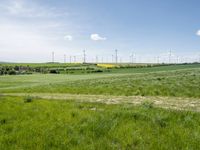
[[44, 124], [156, 81], [125, 108]]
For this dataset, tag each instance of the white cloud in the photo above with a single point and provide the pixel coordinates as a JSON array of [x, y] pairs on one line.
[[17, 7], [23, 8], [198, 33], [68, 37], [97, 37]]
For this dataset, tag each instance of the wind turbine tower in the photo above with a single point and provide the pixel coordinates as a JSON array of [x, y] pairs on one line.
[[84, 57], [116, 56], [52, 57]]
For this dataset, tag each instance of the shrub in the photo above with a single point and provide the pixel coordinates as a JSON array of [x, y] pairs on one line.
[[54, 71], [2, 121], [17, 68], [12, 72], [28, 99], [98, 70], [159, 78]]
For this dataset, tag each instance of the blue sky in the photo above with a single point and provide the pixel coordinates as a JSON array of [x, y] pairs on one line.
[[31, 30]]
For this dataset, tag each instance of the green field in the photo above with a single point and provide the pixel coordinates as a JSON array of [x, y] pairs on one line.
[[156, 81], [126, 108]]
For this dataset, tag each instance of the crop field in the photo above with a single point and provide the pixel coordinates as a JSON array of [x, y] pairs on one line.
[[123, 107]]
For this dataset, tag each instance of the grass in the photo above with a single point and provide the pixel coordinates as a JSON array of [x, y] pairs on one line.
[[43, 124], [178, 83], [156, 68], [71, 121]]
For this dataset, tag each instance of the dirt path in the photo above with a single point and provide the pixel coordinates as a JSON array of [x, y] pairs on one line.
[[178, 103]]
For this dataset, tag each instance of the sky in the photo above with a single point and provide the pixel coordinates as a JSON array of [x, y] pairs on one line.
[[30, 30]]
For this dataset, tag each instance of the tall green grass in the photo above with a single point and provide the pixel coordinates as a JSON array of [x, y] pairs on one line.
[[180, 83], [44, 124]]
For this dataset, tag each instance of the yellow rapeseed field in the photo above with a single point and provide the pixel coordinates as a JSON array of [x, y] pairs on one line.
[[107, 65]]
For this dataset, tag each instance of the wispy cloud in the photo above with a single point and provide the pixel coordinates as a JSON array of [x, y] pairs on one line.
[[97, 37], [68, 37], [18, 7], [198, 33], [23, 8]]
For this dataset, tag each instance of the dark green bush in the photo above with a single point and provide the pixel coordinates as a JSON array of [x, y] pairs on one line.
[[12, 72], [54, 71], [28, 99]]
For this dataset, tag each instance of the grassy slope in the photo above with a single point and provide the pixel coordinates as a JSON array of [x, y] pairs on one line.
[[156, 68], [43, 124], [173, 81]]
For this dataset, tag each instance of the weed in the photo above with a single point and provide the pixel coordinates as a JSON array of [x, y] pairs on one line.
[[2, 121], [147, 104], [74, 114], [28, 99], [160, 121]]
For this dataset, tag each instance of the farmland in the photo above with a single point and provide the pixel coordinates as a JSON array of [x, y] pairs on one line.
[[158, 81], [102, 110]]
